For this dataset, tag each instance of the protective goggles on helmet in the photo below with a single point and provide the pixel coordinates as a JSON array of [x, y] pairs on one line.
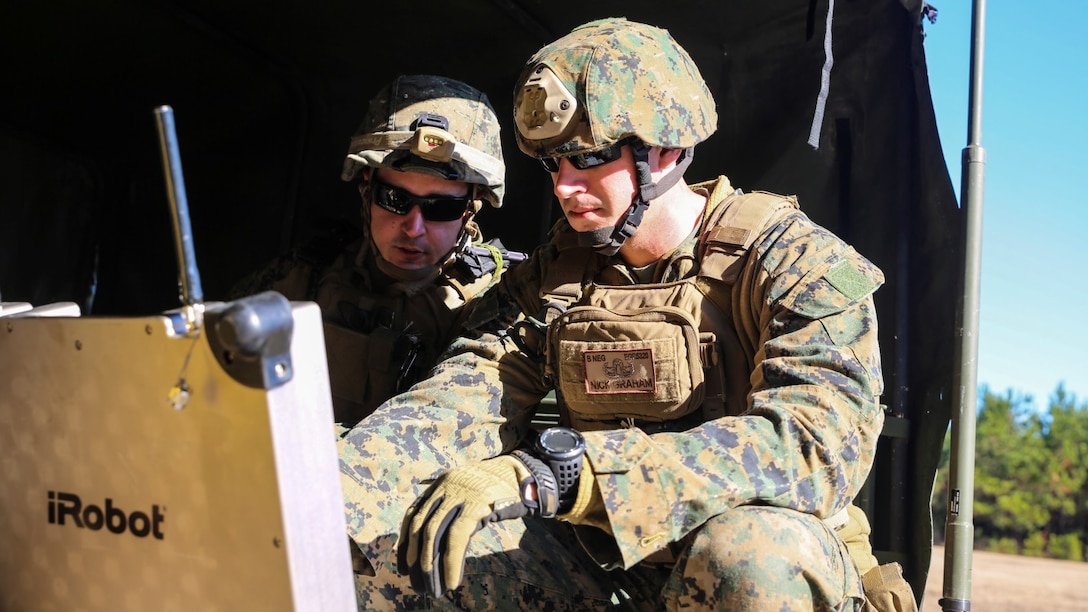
[[433, 208], [585, 161]]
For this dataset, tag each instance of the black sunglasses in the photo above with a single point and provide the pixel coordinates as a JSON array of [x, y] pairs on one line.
[[433, 208], [585, 161]]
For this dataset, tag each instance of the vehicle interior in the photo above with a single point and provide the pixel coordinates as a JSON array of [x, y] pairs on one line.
[[266, 96]]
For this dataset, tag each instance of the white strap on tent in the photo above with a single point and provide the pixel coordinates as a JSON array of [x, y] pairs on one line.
[[825, 82]]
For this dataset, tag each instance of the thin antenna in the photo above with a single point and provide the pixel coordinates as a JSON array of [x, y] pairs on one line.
[[192, 296]]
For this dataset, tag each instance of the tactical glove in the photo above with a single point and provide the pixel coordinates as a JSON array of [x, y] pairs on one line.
[[436, 529]]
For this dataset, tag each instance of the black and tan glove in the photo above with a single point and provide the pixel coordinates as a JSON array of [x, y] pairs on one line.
[[437, 528]]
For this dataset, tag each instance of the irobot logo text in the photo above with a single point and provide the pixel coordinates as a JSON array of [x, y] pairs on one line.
[[64, 506]]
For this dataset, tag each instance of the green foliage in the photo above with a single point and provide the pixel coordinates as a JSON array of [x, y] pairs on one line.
[[1035, 545], [1067, 546], [1008, 546], [1031, 476]]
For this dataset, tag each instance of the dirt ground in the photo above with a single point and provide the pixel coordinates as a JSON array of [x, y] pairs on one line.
[[1002, 583]]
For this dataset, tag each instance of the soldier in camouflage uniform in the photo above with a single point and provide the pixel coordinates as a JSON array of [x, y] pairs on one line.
[[426, 157], [715, 362]]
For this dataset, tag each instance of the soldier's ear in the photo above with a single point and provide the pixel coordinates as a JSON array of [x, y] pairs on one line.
[[663, 160], [668, 157]]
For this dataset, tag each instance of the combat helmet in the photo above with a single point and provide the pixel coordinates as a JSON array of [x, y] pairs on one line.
[[611, 81], [432, 125]]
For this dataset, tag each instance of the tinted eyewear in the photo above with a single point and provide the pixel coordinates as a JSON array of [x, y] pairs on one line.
[[433, 208], [585, 161]]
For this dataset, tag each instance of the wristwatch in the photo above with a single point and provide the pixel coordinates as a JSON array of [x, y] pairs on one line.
[[562, 448]]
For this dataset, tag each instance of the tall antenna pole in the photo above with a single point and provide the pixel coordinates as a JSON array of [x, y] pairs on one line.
[[959, 524]]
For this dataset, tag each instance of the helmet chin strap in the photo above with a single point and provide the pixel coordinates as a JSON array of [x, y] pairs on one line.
[[608, 240]]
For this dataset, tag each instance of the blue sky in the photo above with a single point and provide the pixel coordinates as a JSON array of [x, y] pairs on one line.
[[1032, 333]]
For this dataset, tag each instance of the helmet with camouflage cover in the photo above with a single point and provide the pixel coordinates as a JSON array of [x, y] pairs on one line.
[[606, 81], [433, 125], [611, 82]]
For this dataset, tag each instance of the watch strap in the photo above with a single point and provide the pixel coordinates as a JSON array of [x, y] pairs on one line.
[[566, 473]]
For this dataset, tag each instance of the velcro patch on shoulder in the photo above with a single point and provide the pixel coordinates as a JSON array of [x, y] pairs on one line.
[[850, 281], [734, 237]]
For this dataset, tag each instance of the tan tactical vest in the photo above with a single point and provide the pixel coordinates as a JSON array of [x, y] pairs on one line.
[[380, 336], [668, 356], [662, 356]]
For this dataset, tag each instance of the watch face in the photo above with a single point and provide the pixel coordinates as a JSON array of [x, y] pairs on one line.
[[560, 439]]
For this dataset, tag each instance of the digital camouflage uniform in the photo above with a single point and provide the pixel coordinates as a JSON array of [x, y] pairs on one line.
[[762, 477], [385, 326], [727, 502]]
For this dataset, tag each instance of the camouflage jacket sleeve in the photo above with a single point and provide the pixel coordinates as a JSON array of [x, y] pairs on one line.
[[475, 404], [803, 305]]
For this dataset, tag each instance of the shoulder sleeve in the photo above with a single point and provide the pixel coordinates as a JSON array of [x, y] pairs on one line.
[[812, 272], [286, 274]]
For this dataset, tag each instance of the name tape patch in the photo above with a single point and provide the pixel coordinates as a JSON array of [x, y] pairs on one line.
[[619, 371]]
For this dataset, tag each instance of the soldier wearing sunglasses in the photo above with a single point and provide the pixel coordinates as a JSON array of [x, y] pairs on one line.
[[715, 363], [425, 159]]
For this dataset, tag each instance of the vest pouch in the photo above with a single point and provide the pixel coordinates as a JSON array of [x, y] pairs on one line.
[[643, 364], [365, 369]]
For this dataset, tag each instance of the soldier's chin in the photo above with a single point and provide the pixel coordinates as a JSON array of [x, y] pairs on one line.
[[411, 260], [588, 222]]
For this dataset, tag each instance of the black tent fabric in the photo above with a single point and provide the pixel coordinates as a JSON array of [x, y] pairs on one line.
[[826, 100]]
